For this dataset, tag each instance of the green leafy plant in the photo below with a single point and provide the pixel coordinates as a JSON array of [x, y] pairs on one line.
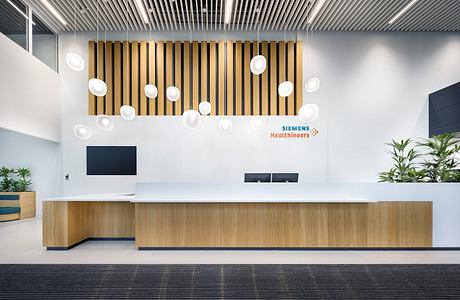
[[22, 184], [14, 180], [440, 163], [404, 168], [7, 182]]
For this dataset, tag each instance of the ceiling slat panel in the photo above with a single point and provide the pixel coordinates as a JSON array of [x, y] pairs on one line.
[[335, 15]]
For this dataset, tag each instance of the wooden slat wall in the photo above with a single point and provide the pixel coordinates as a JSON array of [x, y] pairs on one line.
[[178, 76], [118, 82], [221, 86], [281, 76], [169, 75], [213, 78], [142, 78], [91, 74], [218, 72], [152, 76]]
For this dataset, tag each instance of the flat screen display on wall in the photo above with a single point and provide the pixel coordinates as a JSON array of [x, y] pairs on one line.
[[111, 160], [444, 110]]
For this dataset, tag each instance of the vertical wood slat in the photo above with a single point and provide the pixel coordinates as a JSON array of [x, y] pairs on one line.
[[109, 78], [195, 74], [204, 71], [223, 76], [160, 79], [100, 102], [238, 79], [273, 79], [247, 78], [264, 96], [135, 76], [298, 87], [229, 81], [290, 76], [117, 80], [91, 74], [255, 84], [212, 77], [186, 97], [152, 76], [221, 69], [178, 77], [169, 76], [126, 73], [143, 78], [281, 76]]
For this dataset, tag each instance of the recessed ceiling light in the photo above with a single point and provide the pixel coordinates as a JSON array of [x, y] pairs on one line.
[[402, 11], [228, 10], [141, 8], [316, 10], [54, 12]]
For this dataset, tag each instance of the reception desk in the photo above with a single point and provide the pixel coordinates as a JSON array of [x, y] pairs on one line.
[[164, 216]]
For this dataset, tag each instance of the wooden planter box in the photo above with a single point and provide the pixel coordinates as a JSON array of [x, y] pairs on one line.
[[11, 201]]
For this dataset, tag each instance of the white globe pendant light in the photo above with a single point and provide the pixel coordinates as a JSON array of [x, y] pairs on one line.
[[285, 88], [172, 93], [225, 126], [104, 122], [75, 62], [127, 112], [97, 87], [191, 119], [204, 108], [151, 91], [82, 132], [258, 64], [308, 113], [312, 84], [258, 124]]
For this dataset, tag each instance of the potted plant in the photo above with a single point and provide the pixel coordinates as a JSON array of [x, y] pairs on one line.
[[16, 201], [430, 160]]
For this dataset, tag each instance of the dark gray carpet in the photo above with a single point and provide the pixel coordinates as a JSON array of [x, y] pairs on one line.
[[230, 281]]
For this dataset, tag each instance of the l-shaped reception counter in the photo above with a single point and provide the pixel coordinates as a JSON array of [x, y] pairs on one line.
[[260, 215]]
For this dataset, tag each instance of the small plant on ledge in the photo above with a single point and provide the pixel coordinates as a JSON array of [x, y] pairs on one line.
[[440, 163], [437, 163], [404, 168], [10, 183]]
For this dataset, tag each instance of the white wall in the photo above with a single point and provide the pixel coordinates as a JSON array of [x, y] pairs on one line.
[[375, 87], [29, 93], [41, 156], [168, 152]]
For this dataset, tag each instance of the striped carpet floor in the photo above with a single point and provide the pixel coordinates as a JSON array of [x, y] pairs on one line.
[[229, 281]]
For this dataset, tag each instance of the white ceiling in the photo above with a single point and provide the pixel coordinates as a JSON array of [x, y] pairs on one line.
[[353, 15]]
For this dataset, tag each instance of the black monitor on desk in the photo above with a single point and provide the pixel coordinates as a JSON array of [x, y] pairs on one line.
[[257, 177], [285, 177]]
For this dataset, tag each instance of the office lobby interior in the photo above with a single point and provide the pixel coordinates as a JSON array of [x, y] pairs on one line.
[[229, 149]]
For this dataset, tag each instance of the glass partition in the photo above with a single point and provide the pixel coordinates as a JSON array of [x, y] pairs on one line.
[[14, 21], [44, 42]]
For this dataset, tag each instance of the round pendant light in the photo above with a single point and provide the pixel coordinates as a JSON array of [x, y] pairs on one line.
[[151, 91], [104, 122], [258, 124], [97, 87], [82, 132], [127, 112], [285, 88], [258, 64], [225, 126], [308, 113], [312, 84], [172, 93], [204, 108], [191, 119], [75, 62]]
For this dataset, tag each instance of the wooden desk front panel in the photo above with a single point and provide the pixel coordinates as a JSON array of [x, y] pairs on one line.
[[381, 224], [66, 223]]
